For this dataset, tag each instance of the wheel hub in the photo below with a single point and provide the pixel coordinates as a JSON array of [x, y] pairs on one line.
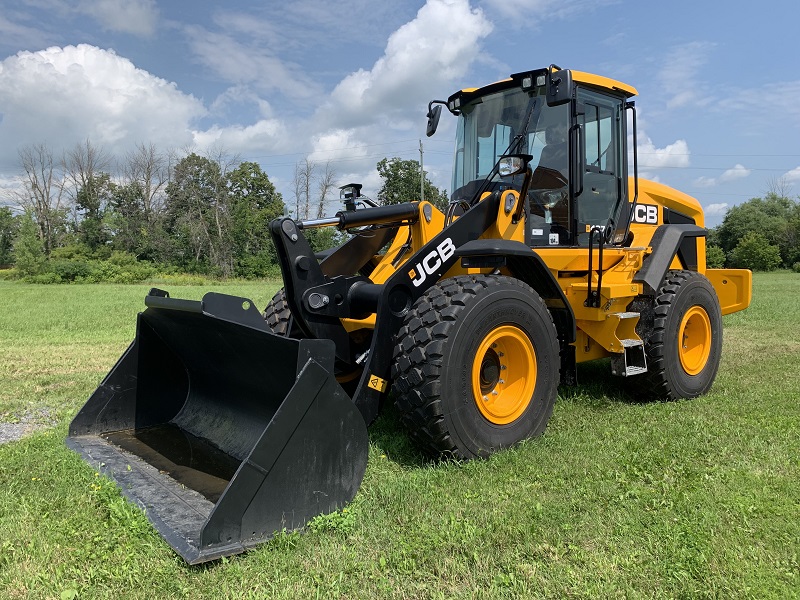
[[504, 374], [694, 337]]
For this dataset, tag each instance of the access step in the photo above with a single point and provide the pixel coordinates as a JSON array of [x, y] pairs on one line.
[[631, 361]]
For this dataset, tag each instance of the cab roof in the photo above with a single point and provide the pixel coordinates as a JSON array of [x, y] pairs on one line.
[[590, 79]]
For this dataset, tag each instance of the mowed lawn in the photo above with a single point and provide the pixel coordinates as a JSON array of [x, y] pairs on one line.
[[697, 498]]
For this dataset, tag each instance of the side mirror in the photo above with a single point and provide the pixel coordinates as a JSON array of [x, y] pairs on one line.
[[513, 164], [434, 112], [559, 87]]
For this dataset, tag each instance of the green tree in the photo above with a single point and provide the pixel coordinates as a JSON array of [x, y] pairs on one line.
[[29, 255], [715, 257], [254, 202], [92, 201], [755, 252], [8, 230], [401, 183], [776, 218], [126, 220], [197, 216]]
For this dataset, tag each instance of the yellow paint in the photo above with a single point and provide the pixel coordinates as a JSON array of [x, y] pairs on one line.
[[734, 288], [694, 339], [504, 374], [378, 384], [604, 82]]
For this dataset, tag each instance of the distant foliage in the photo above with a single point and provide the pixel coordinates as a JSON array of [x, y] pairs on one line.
[[715, 257], [401, 183], [756, 253], [9, 224], [775, 218], [28, 253]]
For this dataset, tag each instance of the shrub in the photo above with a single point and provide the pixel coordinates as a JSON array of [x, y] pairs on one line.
[[715, 257], [796, 267], [123, 259], [45, 278], [70, 252], [70, 270], [29, 255], [755, 252]]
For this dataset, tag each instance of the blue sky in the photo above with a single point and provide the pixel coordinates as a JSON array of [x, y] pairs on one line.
[[348, 81]]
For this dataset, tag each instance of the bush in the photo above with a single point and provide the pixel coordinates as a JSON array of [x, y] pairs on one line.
[[44, 278], [796, 267], [70, 252], [122, 259], [715, 257], [755, 252], [256, 266], [70, 270], [29, 257]]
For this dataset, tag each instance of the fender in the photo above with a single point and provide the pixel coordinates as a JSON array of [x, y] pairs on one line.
[[667, 241], [525, 264]]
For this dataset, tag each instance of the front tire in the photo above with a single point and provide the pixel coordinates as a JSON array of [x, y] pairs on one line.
[[476, 366], [682, 333]]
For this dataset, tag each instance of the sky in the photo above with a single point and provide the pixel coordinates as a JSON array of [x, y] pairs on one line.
[[348, 82]]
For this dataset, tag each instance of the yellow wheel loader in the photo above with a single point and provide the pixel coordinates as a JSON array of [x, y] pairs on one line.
[[227, 424]]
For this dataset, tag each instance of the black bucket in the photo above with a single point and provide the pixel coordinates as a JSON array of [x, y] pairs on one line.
[[223, 432]]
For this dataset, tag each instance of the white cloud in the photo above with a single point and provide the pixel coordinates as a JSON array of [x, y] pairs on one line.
[[16, 35], [264, 135], [137, 17], [716, 210], [241, 62], [793, 175], [422, 57], [672, 155], [680, 75], [761, 103], [538, 9], [705, 182], [60, 96], [737, 172]]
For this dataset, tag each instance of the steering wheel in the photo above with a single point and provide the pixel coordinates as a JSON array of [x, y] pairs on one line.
[[548, 187]]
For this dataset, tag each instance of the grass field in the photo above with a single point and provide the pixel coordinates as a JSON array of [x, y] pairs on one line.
[[692, 499]]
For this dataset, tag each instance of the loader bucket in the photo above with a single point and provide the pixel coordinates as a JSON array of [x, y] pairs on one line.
[[223, 432]]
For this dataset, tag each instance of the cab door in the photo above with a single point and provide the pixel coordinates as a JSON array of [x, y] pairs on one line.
[[599, 200]]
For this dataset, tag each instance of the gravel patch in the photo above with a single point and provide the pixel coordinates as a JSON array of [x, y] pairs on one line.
[[25, 425]]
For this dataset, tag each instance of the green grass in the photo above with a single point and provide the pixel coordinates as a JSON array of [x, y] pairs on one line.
[[696, 498]]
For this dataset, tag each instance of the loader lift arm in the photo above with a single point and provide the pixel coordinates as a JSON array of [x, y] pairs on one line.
[[319, 301]]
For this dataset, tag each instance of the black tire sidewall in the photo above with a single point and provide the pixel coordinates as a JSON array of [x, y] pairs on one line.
[[501, 304], [696, 291]]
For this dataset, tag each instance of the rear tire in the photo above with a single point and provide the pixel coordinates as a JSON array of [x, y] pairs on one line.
[[476, 366], [682, 333], [278, 315]]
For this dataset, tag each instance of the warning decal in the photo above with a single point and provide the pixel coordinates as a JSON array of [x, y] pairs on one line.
[[376, 383]]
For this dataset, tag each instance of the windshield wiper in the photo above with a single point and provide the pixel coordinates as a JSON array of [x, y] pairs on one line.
[[516, 141]]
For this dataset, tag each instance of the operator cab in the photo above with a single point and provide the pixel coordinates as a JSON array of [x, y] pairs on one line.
[[573, 126]]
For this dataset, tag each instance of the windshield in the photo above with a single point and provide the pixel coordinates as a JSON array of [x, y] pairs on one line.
[[486, 128]]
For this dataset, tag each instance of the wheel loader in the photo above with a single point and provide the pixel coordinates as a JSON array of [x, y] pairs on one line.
[[226, 424]]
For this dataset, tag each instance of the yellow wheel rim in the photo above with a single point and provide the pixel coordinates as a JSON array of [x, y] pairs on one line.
[[504, 374], [694, 337]]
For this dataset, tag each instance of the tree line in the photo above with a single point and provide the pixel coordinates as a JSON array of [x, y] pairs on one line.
[[159, 211], [89, 216], [762, 234]]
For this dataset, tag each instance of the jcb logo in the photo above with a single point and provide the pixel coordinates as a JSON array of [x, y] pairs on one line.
[[431, 262], [645, 213]]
